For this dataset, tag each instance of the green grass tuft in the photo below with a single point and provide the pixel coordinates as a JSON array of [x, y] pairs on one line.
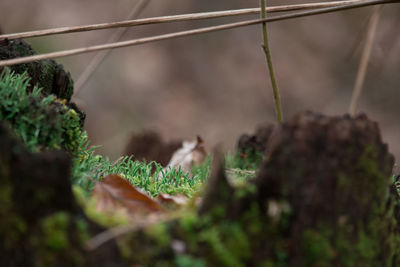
[[89, 167], [41, 122]]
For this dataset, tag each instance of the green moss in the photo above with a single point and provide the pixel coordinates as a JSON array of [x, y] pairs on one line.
[[125, 248], [71, 130], [244, 191], [364, 251], [41, 122], [83, 230], [317, 248], [367, 246], [12, 226], [345, 248], [373, 180], [189, 261], [369, 189], [55, 230], [188, 221], [227, 244], [236, 240], [396, 246], [46, 76], [218, 211], [159, 233], [145, 248], [245, 160], [267, 263], [251, 219], [281, 258], [59, 238], [222, 255], [189, 225], [369, 240], [23, 50]]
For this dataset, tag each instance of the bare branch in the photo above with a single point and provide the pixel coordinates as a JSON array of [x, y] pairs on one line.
[[145, 40], [174, 18]]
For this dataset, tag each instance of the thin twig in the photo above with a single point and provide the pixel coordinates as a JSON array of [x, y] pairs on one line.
[[187, 33], [115, 232], [174, 18], [100, 56], [362, 69], [359, 38], [267, 52]]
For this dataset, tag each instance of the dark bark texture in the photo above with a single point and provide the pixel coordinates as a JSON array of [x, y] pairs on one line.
[[46, 74]]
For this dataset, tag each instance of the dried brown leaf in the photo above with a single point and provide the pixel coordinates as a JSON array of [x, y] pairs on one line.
[[191, 153], [114, 193]]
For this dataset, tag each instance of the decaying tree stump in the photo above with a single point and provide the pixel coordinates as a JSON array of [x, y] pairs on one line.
[[331, 175], [257, 142], [251, 148], [46, 74], [41, 224]]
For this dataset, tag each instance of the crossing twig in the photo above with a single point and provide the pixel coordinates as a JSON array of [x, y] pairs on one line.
[[175, 18], [145, 40]]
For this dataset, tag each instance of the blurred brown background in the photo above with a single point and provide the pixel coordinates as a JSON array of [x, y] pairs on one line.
[[216, 84]]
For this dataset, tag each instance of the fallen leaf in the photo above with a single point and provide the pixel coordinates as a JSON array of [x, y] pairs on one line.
[[176, 200], [115, 193], [191, 153]]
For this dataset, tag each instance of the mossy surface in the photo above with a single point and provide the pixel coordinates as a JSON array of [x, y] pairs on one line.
[[55, 241], [41, 122], [46, 74], [41, 223]]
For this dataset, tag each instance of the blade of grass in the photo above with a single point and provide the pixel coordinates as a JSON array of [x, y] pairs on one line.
[[362, 69]]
